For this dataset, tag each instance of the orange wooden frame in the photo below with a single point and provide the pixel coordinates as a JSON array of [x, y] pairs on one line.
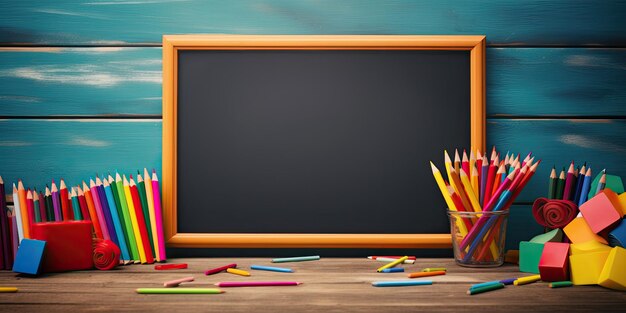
[[173, 43]]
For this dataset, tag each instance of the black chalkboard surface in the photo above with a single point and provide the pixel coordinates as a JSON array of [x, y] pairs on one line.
[[317, 141]]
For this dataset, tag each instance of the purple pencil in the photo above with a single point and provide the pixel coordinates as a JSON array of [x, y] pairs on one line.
[[483, 178], [568, 182], [56, 202]]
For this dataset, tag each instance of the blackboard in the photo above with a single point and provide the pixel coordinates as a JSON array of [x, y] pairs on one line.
[[315, 141]]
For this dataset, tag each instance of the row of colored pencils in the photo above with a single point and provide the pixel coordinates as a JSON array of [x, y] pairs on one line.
[[492, 188], [121, 210], [574, 185]]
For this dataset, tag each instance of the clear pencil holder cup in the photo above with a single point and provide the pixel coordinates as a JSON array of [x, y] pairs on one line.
[[478, 237]]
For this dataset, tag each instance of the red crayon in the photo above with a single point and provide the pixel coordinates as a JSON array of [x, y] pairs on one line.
[[220, 269], [162, 267]]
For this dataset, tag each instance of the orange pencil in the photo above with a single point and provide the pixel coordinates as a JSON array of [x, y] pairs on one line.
[[498, 180], [92, 211], [426, 274], [65, 203], [21, 194], [459, 205], [143, 231], [455, 182], [457, 160]]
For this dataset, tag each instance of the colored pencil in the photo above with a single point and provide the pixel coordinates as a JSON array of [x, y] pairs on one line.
[[457, 161], [65, 204], [393, 270], [498, 179], [84, 209], [8, 289], [95, 195], [156, 190], [271, 268], [506, 162], [120, 214], [474, 180], [177, 282], [392, 264], [374, 257], [442, 187], [36, 206], [466, 223], [42, 207], [491, 176], [30, 208], [257, 283], [402, 283], [447, 163], [559, 284], [526, 280], [15, 240], [133, 217], [526, 159], [485, 288], [21, 193], [465, 162], [579, 183], [407, 261], [567, 190], [489, 283], [141, 222], [56, 202], [455, 182], [585, 189], [479, 167], [237, 272], [153, 226], [219, 269], [49, 205], [78, 215], [5, 229], [494, 153], [125, 256], [17, 211], [532, 168], [178, 291], [602, 182], [560, 185], [130, 233], [106, 211], [141, 190], [469, 191], [93, 214], [426, 274], [298, 259], [552, 184], [484, 174], [434, 269], [472, 160]]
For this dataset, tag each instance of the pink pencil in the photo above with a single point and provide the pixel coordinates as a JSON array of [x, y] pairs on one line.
[[156, 191], [256, 283]]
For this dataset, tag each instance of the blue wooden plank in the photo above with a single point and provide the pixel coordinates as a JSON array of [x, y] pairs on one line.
[[600, 143], [115, 81], [521, 226], [510, 22], [38, 151], [86, 81], [559, 82]]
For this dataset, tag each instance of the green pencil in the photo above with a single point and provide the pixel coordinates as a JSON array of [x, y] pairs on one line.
[[560, 185], [127, 223], [49, 207], [120, 212], [552, 184], [141, 189], [179, 290]]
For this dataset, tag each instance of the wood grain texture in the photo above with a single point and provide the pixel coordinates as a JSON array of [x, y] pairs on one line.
[[329, 285], [114, 81], [104, 22], [600, 143], [38, 151]]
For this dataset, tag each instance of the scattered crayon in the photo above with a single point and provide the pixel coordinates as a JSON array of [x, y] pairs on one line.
[[434, 269], [271, 269], [178, 291], [393, 270], [176, 282], [162, 267], [426, 274], [508, 281], [526, 280], [237, 271], [381, 259], [485, 284], [296, 259], [256, 283], [485, 288], [219, 269], [8, 289], [392, 264], [559, 284], [401, 283]]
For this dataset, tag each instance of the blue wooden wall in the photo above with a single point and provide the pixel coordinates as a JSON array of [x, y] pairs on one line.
[[80, 80]]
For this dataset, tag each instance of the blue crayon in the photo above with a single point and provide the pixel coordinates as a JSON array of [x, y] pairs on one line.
[[489, 283], [393, 270], [401, 283], [271, 268], [296, 259], [508, 281]]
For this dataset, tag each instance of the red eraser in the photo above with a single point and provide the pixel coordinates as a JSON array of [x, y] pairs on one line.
[[553, 265], [68, 245], [601, 211]]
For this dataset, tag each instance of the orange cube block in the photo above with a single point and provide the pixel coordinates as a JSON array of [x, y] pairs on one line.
[[602, 211], [578, 231]]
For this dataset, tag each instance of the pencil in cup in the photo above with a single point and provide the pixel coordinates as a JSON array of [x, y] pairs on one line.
[[494, 234]]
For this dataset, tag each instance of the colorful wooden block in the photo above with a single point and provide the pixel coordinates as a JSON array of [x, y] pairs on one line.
[[622, 202], [590, 246], [529, 256], [578, 231], [555, 235], [617, 236], [553, 265], [602, 211], [28, 257], [614, 272], [69, 245], [586, 268]]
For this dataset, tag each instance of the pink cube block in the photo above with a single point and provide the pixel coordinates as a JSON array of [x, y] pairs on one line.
[[601, 211], [553, 265]]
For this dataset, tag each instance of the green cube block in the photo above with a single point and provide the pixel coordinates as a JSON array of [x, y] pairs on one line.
[[529, 256]]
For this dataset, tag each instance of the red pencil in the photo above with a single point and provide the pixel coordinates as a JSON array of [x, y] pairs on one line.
[[479, 166], [491, 174], [30, 207], [567, 191], [219, 269], [42, 206], [465, 162], [522, 184], [141, 221], [65, 203], [459, 205], [84, 209]]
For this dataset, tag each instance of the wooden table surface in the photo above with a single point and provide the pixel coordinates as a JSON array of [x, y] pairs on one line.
[[329, 285]]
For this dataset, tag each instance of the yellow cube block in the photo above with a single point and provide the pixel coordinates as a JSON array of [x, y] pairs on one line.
[[578, 231], [588, 247], [614, 272], [585, 269]]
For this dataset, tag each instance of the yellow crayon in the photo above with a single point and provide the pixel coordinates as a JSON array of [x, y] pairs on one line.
[[434, 269], [527, 280], [8, 289], [392, 264], [237, 272]]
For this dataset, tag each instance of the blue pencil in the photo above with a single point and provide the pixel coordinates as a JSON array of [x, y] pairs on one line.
[[393, 270], [579, 184], [585, 189], [116, 221], [106, 212], [271, 269], [472, 247], [402, 283]]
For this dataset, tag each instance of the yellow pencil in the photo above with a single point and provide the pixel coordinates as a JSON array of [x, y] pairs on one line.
[[8, 289], [392, 264], [133, 219], [470, 192], [153, 226], [472, 160], [446, 195], [474, 179], [237, 272], [447, 162], [526, 280]]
